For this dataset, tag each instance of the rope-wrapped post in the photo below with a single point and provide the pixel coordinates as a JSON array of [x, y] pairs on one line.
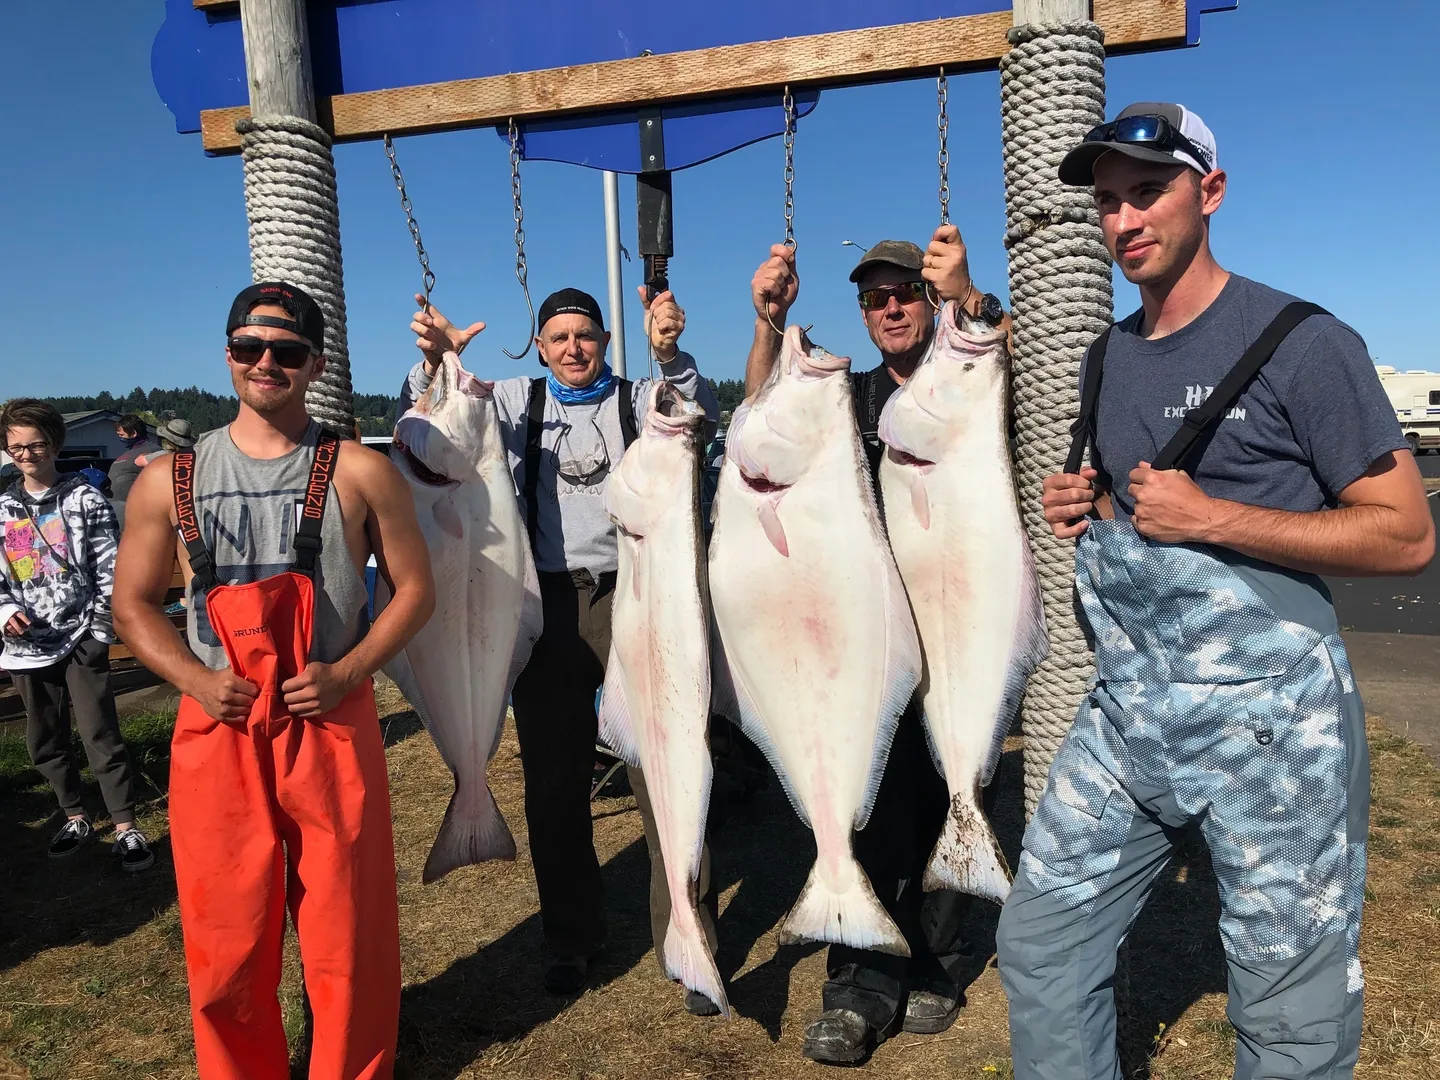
[[1052, 92], [294, 216]]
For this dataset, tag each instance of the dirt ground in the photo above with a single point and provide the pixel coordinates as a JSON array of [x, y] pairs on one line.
[[92, 980]]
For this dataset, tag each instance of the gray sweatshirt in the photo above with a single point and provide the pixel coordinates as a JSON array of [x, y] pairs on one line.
[[579, 447]]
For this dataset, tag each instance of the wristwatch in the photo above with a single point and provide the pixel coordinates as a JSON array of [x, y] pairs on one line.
[[991, 311]]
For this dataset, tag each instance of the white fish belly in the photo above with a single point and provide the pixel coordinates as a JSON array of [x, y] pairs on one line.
[[461, 658], [966, 577], [661, 642], [805, 637]]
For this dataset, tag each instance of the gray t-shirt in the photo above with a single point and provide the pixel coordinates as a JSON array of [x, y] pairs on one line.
[[1311, 423]]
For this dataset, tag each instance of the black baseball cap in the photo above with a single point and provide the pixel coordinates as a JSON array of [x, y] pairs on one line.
[[1194, 147], [899, 253], [570, 302], [306, 318]]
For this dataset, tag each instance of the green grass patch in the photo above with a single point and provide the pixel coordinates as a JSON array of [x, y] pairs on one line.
[[147, 734], [1389, 821]]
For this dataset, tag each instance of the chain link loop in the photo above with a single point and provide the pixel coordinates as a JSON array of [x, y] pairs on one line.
[[943, 93], [522, 272], [427, 276]]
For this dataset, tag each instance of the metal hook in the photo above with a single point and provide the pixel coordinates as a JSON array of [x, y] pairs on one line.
[[521, 271]]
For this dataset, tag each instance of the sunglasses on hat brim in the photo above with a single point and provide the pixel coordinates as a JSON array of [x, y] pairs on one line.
[[248, 350], [1151, 132]]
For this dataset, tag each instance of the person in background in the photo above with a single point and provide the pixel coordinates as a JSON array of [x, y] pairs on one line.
[[173, 434], [135, 434], [56, 575]]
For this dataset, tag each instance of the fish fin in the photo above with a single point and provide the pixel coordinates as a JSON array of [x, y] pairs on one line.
[[1032, 645], [920, 499], [398, 670], [468, 838], [617, 730], [448, 518], [967, 857], [855, 918], [755, 730], [774, 530], [903, 669], [688, 960]]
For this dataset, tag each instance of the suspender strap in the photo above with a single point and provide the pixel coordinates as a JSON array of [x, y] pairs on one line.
[[628, 431], [1206, 416], [202, 567], [317, 492], [534, 425], [1082, 431]]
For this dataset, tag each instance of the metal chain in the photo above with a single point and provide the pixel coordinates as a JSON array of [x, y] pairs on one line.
[[789, 102], [944, 124], [789, 169], [522, 272], [427, 276]]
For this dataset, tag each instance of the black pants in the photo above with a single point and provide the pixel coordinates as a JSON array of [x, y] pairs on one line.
[[83, 677], [893, 849], [555, 720]]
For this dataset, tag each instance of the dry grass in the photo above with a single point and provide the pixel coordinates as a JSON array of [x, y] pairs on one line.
[[92, 977]]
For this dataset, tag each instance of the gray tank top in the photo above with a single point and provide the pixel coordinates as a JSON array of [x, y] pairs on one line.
[[247, 510]]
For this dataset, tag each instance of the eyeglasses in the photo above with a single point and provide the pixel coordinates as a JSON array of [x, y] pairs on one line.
[[251, 350], [908, 293], [1154, 132], [34, 449], [586, 466]]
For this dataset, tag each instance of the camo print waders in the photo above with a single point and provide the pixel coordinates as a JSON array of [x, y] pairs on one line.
[[1223, 695]]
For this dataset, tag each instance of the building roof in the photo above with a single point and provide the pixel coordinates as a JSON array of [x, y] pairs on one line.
[[73, 418]]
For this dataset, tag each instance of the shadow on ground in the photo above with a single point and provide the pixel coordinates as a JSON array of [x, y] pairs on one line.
[[440, 1038]]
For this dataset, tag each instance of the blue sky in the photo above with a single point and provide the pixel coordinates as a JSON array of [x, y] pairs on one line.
[[121, 244]]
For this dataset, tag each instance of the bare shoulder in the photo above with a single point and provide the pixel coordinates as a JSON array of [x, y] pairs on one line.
[[153, 488], [367, 472]]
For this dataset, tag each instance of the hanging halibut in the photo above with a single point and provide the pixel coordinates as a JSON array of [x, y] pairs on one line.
[[459, 669], [950, 507], [817, 637], [655, 709]]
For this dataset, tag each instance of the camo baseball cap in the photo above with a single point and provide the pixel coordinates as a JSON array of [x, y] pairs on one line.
[[899, 253]]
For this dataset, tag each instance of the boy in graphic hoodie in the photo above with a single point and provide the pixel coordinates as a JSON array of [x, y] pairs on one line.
[[57, 570]]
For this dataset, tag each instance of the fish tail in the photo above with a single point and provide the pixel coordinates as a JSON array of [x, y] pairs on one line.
[[688, 959], [854, 917], [469, 836], [967, 857]]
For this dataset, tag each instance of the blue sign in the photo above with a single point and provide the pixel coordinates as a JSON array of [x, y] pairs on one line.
[[198, 59]]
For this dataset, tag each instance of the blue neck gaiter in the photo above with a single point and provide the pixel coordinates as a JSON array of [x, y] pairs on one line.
[[570, 395]]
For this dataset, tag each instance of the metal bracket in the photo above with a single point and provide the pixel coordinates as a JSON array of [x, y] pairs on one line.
[[654, 210]]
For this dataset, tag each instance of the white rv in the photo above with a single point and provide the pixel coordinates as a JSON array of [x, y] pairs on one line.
[[1416, 397]]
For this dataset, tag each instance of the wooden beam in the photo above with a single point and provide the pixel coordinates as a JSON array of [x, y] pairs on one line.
[[848, 57], [277, 58], [213, 5]]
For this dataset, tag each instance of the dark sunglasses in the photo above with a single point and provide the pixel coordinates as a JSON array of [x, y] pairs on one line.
[[250, 350], [908, 293], [1154, 132]]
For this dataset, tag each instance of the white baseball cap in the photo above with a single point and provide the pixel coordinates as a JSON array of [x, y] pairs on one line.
[[1147, 131]]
